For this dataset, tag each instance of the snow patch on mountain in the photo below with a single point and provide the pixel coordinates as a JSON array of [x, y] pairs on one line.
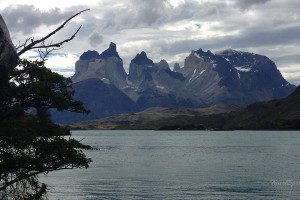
[[239, 75], [202, 71], [198, 56], [243, 69]]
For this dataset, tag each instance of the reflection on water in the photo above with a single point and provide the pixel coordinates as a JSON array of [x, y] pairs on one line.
[[183, 165]]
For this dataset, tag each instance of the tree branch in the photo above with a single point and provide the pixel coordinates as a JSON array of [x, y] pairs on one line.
[[25, 176], [58, 44], [33, 43]]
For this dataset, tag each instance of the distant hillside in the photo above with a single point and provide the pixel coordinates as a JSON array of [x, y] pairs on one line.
[[283, 114], [156, 118]]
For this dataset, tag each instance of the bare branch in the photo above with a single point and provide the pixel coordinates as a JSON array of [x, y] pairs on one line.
[[22, 45], [58, 44], [47, 50], [33, 43]]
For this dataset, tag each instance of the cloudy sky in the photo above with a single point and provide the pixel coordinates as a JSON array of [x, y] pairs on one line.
[[164, 29]]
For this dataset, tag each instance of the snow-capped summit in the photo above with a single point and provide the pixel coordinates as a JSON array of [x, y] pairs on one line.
[[227, 52], [233, 76]]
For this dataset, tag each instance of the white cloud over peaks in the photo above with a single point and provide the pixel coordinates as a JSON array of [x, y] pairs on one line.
[[62, 63], [176, 3], [133, 14], [58, 62], [246, 4], [27, 18], [166, 29]]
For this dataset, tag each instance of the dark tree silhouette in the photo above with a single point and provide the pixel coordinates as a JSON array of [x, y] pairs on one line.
[[30, 143]]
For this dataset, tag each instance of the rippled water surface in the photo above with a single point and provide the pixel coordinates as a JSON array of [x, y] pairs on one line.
[[183, 165]]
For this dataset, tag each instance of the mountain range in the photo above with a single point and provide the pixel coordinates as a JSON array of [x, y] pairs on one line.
[[206, 79]]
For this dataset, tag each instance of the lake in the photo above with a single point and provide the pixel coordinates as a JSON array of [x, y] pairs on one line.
[[183, 165]]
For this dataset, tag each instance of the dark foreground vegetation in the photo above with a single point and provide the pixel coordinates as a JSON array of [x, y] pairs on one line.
[[30, 144]]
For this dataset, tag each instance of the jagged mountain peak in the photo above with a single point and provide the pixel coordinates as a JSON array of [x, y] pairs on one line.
[[110, 52], [163, 64], [92, 54], [142, 59], [113, 46], [202, 53], [176, 67], [206, 56], [88, 55]]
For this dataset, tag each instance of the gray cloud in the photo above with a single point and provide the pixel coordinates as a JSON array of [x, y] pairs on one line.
[[26, 18], [245, 4], [95, 39], [269, 27], [135, 14]]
